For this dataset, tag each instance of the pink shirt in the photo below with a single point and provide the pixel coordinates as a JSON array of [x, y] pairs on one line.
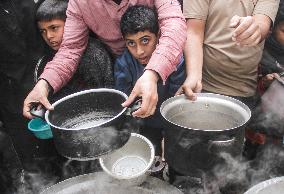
[[103, 17]]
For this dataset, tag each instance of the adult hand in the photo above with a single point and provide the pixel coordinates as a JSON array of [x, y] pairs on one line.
[[190, 86], [247, 31], [38, 94], [146, 87]]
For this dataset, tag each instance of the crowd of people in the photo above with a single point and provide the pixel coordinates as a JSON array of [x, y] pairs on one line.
[[153, 49]]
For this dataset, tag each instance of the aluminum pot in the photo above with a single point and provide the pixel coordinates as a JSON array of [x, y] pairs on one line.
[[196, 132], [271, 186], [131, 164], [272, 99], [100, 183], [88, 124]]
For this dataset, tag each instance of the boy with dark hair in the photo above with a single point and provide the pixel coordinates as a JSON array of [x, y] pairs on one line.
[[93, 71], [140, 29]]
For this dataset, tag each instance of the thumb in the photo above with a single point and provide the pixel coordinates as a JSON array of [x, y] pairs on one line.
[[46, 104], [130, 99], [179, 91], [235, 21]]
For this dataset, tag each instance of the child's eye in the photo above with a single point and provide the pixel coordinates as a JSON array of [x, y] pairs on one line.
[[145, 41], [54, 27], [42, 31], [130, 43]]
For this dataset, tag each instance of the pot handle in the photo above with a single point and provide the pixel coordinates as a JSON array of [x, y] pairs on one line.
[[221, 144], [157, 165], [37, 112], [133, 107]]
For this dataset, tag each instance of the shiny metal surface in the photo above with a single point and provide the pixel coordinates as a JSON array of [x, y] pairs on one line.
[[130, 163], [210, 112], [88, 124], [198, 131], [100, 183], [271, 186]]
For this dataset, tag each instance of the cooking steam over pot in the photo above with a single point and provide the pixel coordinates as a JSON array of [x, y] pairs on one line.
[[100, 183], [90, 123], [198, 131]]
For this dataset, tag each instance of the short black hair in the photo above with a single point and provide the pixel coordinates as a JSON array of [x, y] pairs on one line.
[[139, 18], [52, 9]]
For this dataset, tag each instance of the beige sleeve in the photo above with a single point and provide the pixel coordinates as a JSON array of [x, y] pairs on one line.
[[266, 7], [195, 9]]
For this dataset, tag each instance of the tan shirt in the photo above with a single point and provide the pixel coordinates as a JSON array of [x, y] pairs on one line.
[[228, 69]]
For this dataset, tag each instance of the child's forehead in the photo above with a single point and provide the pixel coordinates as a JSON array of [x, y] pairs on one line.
[[51, 20], [140, 34]]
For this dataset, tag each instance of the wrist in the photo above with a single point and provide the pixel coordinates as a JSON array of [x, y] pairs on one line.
[[153, 75], [44, 83]]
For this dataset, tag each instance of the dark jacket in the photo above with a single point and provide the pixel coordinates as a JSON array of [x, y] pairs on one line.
[[127, 70], [273, 54], [21, 47], [94, 70]]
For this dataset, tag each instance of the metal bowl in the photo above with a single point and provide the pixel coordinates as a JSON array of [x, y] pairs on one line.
[[100, 183], [131, 163], [271, 186]]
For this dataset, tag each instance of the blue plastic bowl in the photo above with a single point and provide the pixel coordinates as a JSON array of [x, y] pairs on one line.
[[40, 128]]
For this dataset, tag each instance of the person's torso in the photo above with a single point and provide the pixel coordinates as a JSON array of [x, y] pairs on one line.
[[227, 68]]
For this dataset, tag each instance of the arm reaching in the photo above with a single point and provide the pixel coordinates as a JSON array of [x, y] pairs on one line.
[[193, 58]]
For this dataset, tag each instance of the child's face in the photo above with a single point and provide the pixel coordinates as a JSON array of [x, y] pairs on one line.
[[279, 33], [141, 45], [52, 32]]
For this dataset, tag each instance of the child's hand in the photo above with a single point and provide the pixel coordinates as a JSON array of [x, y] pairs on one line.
[[146, 87]]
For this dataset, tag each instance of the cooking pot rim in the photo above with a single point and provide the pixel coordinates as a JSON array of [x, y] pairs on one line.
[[264, 184], [220, 96], [82, 93], [150, 163]]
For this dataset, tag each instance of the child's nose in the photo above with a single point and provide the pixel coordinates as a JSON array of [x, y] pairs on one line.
[[140, 50], [49, 35]]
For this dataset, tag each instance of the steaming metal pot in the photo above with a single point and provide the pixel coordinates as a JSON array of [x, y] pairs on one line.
[[197, 131], [271, 186], [100, 183], [90, 123]]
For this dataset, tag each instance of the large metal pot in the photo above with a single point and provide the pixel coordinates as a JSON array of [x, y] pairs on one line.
[[197, 131], [100, 183], [271, 186], [90, 123]]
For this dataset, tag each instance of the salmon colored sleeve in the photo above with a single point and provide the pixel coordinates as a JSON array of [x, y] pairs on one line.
[[75, 38], [171, 42]]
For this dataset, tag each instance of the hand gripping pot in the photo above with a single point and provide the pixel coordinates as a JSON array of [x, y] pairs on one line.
[[90, 123], [131, 164]]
